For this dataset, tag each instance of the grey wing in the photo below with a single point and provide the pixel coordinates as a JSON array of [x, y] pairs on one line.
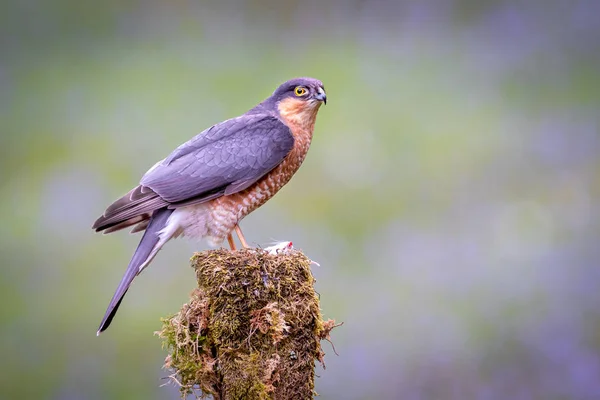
[[227, 158], [134, 208], [224, 159]]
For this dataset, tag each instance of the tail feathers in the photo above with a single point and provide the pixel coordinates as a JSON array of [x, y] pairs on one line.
[[149, 245]]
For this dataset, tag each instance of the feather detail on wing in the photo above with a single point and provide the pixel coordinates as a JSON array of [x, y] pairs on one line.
[[141, 220], [133, 208], [234, 153], [224, 159]]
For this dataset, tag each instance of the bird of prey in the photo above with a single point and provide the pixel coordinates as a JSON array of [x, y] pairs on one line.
[[208, 184]]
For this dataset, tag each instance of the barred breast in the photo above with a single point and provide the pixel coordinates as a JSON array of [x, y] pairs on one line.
[[215, 219], [227, 211]]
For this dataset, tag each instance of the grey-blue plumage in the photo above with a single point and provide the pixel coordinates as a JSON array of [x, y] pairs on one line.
[[146, 250], [208, 184], [224, 159]]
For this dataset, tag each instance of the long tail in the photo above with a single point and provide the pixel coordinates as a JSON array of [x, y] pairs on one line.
[[150, 244]]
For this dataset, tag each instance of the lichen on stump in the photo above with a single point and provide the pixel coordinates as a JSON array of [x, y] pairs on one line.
[[251, 330]]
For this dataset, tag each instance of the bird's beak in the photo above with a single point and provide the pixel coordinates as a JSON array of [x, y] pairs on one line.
[[321, 96]]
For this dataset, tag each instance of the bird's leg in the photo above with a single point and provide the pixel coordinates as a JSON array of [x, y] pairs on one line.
[[231, 242], [241, 236]]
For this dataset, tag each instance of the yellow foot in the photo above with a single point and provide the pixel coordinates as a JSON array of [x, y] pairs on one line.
[[241, 236], [231, 242]]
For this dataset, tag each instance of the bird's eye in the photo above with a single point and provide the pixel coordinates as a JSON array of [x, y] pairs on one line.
[[300, 91]]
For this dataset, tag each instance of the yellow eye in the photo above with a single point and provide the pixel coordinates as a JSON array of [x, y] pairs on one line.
[[300, 91]]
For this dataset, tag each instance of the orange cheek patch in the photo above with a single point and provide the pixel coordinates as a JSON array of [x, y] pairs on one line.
[[298, 112], [292, 106]]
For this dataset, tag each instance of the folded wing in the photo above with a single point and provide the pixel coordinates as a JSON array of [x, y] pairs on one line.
[[224, 159]]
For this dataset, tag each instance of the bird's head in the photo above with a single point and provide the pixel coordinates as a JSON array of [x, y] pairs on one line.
[[299, 99], [309, 91]]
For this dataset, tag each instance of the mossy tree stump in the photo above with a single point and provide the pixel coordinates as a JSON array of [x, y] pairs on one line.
[[251, 330]]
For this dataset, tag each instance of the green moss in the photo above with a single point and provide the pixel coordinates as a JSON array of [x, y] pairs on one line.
[[251, 330]]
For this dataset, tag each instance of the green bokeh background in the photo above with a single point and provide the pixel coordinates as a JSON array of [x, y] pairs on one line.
[[450, 195]]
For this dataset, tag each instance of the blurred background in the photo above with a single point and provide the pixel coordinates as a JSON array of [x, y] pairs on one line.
[[450, 195]]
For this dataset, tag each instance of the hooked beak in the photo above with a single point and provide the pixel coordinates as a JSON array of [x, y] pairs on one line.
[[321, 96]]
